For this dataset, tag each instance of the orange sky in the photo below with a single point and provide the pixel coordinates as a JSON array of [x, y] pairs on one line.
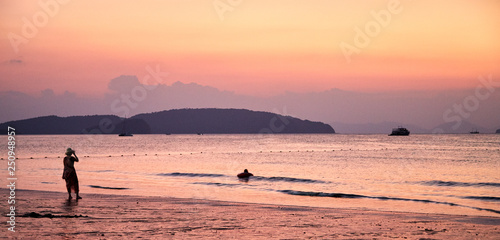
[[258, 48]]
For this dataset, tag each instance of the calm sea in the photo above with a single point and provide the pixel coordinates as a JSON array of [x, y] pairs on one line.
[[450, 174]]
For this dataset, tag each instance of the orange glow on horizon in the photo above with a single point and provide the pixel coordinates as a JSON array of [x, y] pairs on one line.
[[260, 47]]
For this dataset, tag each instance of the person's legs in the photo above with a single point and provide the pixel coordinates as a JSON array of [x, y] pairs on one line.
[[69, 191], [77, 188]]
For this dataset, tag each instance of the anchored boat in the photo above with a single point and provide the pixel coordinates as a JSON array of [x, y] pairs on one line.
[[400, 131]]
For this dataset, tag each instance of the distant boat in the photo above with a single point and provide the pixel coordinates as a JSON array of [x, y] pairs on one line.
[[474, 132], [400, 131], [124, 133], [199, 133]]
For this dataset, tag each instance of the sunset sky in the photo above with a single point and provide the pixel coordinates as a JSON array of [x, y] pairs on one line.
[[256, 47]]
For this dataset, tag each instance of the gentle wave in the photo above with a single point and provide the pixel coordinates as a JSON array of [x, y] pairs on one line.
[[344, 195], [322, 194], [110, 188], [253, 178], [483, 198], [218, 184], [178, 174], [48, 182], [459, 184], [287, 179], [97, 171], [102, 171]]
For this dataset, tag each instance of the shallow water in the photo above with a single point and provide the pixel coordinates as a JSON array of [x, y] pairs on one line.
[[451, 174]]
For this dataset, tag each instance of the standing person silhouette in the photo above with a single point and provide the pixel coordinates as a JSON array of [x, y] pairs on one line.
[[69, 173]]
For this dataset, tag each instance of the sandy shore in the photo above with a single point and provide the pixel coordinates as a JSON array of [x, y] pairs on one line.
[[42, 214]]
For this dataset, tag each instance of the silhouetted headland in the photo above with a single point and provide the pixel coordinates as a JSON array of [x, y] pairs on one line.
[[180, 121]]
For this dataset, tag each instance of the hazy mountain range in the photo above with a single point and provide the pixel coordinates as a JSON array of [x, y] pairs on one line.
[[181, 121], [348, 112]]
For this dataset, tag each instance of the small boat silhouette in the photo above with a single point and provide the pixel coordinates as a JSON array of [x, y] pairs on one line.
[[400, 131], [124, 133]]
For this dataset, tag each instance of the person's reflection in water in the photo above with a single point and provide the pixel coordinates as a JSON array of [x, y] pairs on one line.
[[69, 203]]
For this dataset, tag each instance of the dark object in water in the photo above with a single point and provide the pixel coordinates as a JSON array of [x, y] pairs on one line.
[[110, 188], [474, 132], [124, 133], [49, 215], [245, 174], [400, 131]]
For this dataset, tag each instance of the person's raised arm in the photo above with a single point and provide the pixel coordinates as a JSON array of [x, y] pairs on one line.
[[76, 158]]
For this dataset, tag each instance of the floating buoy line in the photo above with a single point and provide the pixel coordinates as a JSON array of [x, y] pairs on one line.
[[258, 152]]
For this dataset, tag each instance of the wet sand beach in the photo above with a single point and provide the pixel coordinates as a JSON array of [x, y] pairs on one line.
[[48, 215]]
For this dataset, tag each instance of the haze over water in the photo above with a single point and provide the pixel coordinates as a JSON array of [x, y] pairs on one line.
[[451, 174]]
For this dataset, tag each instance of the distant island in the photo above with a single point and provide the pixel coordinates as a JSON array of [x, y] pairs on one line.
[[180, 121], [498, 130]]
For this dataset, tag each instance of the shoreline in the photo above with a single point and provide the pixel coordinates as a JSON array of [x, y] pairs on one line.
[[45, 214]]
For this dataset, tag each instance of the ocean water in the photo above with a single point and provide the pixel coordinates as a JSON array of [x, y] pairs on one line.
[[448, 174]]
